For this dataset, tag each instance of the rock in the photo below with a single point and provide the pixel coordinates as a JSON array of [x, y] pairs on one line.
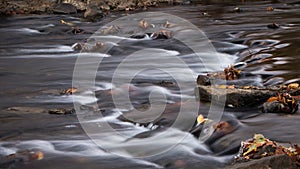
[[64, 8], [93, 13], [105, 7], [203, 80], [61, 111], [282, 103], [122, 7], [272, 162], [273, 26], [23, 110], [234, 97], [81, 6], [25, 7], [77, 46], [20, 157], [76, 30], [161, 34], [237, 9]]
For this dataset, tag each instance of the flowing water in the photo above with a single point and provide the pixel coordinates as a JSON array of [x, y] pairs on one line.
[[37, 61]]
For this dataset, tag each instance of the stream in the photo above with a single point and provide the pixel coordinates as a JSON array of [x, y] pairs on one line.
[[37, 61]]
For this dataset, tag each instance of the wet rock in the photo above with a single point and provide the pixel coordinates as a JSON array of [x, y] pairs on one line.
[[237, 9], [270, 154], [105, 7], [76, 30], [273, 162], [122, 7], [79, 4], [64, 8], [273, 26], [282, 103], [77, 46], [230, 73], [113, 29], [61, 111], [93, 13], [20, 157], [17, 109], [233, 97], [204, 80], [85, 47]]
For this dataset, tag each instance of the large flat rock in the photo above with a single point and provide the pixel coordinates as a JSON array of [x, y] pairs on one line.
[[233, 97]]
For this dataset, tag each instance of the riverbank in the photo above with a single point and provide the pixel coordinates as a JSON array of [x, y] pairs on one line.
[[85, 8]]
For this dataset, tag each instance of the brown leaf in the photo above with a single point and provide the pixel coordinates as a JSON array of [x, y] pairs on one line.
[[69, 91], [293, 86], [269, 8], [144, 24]]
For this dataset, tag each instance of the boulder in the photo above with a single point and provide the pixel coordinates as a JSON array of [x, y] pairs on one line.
[[271, 162], [79, 4], [233, 97], [64, 8], [92, 13]]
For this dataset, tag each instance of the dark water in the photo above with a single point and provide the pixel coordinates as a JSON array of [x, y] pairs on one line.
[[37, 61]]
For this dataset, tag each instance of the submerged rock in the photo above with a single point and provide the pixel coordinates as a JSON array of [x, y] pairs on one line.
[[61, 111], [273, 26], [22, 110]]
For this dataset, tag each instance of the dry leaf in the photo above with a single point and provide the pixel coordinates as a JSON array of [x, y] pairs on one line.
[[293, 86], [231, 87], [66, 23], [222, 86], [144, 24], [269, 8], [69, 91], [200, 119]]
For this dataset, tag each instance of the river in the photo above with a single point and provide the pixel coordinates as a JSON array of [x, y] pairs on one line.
[[37, 61]]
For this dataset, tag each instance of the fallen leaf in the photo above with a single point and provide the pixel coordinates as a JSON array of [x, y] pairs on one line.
[[231, 87], [271, 99], [222, 86], [66, 23], [293, 86], [200, 119], [144, 24], [69, 91], [269, 8]]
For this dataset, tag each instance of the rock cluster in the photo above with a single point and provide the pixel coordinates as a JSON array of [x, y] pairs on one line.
[[90, 8]]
